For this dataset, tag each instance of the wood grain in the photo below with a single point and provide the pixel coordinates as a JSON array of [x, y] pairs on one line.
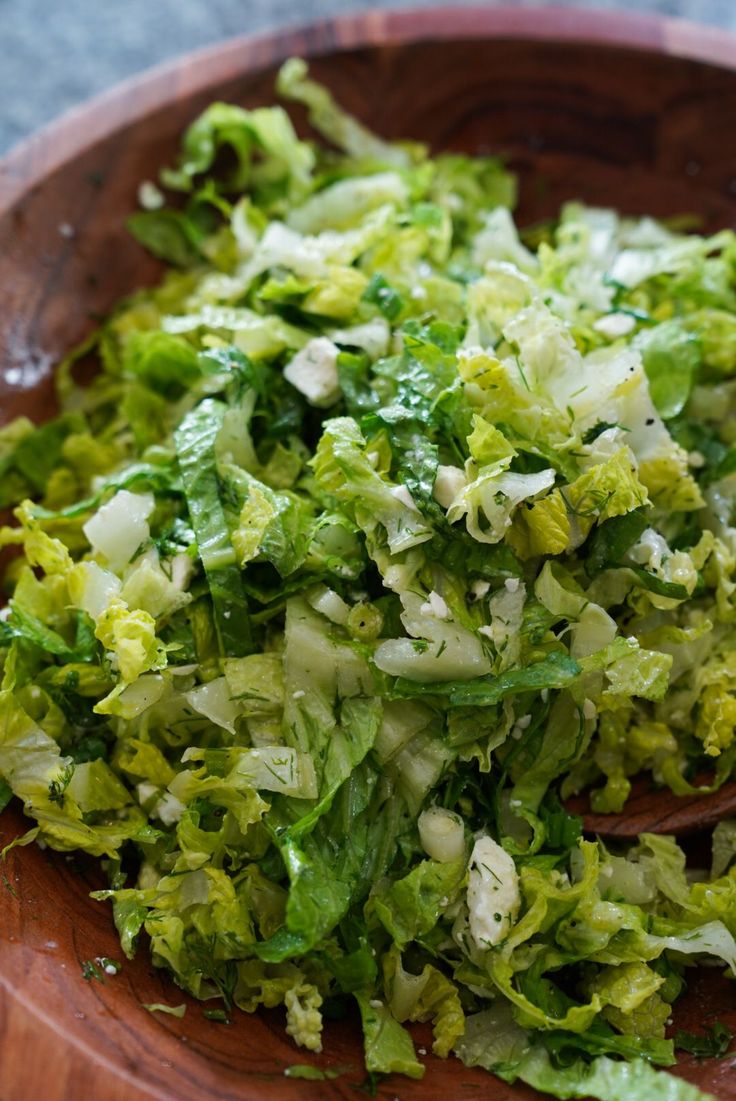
[[657, 810], [614, 109]]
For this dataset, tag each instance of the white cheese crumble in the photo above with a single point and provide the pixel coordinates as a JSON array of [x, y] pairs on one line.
[[435, 606], [313, 372], [450, 481], [150, 197], [169, 809], [613, 325], [145, 790], [650, 550], [493, 893], [479, 589]]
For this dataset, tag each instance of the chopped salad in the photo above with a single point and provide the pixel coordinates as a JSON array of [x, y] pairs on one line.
[[382, 529]]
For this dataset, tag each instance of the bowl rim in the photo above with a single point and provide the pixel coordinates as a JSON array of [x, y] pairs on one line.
[[69, 135], [26, 165]]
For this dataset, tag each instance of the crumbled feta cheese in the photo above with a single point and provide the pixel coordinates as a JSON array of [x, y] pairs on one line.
[[435, 606], [650, 550], [145, 790], [512, 584], [479, 589], [313, 372], [169, 809], [150, 197], [450, 481], [519, 727], [614, 325], [653, 552], [493, 892]]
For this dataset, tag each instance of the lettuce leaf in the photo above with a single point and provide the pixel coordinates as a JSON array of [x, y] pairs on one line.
[[388, 1046], [195, 445]]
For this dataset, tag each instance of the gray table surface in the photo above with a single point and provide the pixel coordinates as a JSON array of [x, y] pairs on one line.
[[59, 52]]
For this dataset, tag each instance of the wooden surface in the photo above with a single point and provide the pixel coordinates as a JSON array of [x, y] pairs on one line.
[[63, 1038], [657, 810], [603, 107]]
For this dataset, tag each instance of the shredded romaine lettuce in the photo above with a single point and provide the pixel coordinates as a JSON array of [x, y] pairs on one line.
[[378, 533]]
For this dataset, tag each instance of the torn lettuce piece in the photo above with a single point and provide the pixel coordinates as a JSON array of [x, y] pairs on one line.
[[489, 501], [332, 121], [343, 469], [195, 444], [388, 1046], [438, 649]]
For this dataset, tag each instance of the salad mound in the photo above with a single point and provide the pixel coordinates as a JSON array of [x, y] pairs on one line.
[[383, 529]]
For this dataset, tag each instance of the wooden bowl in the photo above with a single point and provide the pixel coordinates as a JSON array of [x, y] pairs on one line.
[[609, 108]]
